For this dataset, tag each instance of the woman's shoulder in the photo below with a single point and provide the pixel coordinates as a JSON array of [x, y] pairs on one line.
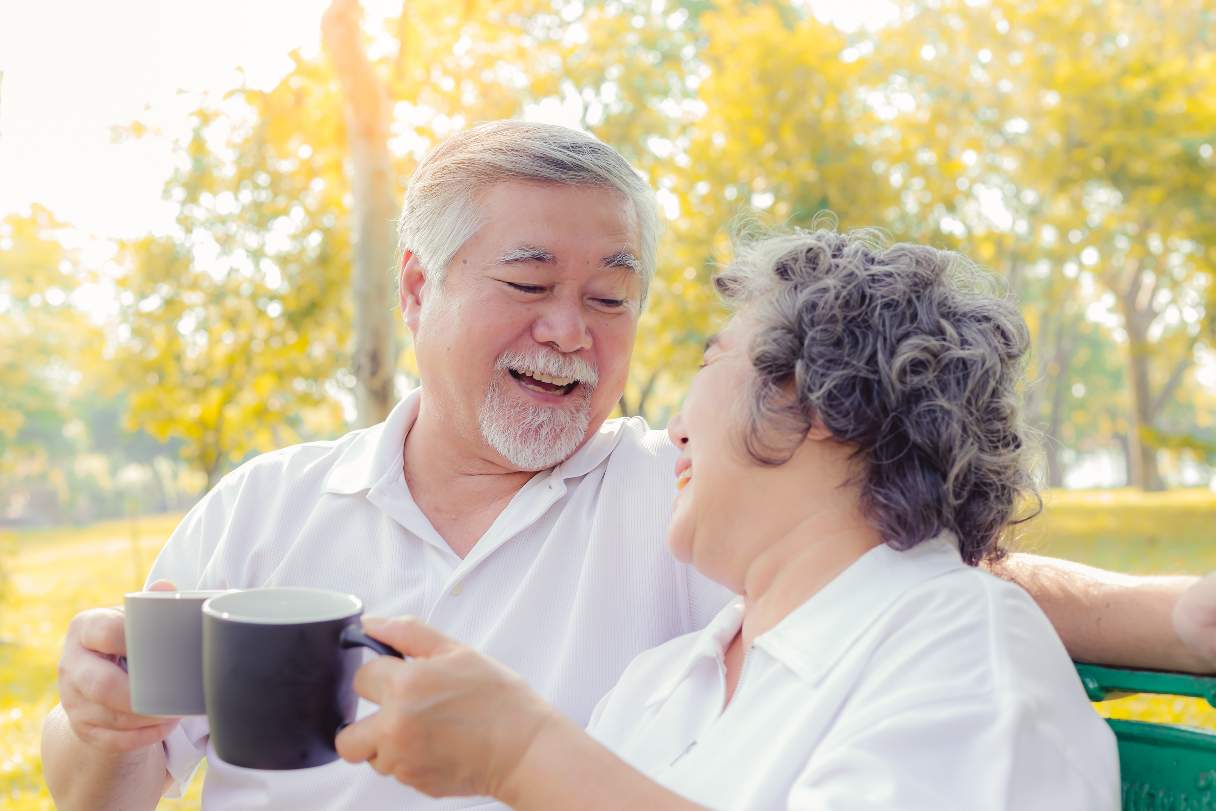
[[969, 633]]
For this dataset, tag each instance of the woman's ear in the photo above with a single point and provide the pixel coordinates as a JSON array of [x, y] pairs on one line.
[[818, 431], [411, 284]]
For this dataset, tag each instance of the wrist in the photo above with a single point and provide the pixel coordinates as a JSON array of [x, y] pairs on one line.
[[545, 742]]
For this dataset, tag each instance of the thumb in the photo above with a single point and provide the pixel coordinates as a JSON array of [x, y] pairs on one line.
[[162, 585], [409, 635]]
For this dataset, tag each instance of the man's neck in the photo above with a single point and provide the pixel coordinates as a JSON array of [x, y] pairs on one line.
[[452, 480]]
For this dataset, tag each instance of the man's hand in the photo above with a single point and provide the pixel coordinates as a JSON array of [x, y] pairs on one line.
[[93, 687], [451, 721], [1195, 619]]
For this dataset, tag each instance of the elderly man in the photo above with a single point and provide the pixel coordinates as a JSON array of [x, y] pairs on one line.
[[496, 503]]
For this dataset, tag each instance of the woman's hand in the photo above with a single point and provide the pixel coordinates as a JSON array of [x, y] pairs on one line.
[[451, 721], [1195, 619]]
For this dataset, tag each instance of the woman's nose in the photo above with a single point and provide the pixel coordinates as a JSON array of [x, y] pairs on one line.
[[676, 432]]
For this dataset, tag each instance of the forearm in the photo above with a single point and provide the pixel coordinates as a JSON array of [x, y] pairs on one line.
[[81, 776], [566, 768], [1107, 617]]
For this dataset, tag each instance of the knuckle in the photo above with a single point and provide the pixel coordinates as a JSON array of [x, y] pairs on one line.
[[403, 681]]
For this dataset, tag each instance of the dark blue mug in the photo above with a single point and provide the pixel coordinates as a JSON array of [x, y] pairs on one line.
[[278, 666]]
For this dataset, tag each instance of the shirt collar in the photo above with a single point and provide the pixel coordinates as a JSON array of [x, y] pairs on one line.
[[374, 449], [369, 455], [813, 637], [592, 452], [709, 645]]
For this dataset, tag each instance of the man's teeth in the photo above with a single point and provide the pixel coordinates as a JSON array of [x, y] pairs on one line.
[[552, 381]]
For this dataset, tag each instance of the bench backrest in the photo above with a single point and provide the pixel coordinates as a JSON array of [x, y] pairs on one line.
[[1163, 766]]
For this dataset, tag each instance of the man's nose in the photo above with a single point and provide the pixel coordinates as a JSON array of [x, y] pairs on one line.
[[563, 326]]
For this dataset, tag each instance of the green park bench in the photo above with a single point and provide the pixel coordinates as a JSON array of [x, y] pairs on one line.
[[1164, 767]]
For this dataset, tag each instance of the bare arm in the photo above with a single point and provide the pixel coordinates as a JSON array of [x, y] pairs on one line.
[[96, 753], [1110, 618], [566, 768], [81, 776]]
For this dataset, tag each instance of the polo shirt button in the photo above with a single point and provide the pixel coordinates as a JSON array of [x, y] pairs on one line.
[[458, 589]]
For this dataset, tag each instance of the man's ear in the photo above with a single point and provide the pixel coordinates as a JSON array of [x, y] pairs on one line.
[[411, 285]]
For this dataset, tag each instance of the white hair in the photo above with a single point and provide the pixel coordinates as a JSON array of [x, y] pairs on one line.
[[536, 437], [440, 211]]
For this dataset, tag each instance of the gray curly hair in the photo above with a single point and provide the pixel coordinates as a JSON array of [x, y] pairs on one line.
[[905, 352]]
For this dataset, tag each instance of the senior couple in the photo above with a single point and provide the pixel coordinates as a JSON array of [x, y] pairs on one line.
[[810, 627]]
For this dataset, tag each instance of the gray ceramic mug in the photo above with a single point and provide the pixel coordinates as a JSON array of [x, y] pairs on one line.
[[164, 632]]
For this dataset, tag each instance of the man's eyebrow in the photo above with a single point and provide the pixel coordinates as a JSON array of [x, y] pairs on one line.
[[526, 253], [622, 259]]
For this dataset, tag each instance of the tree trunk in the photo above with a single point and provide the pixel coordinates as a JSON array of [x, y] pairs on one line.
[[1142, 455], [1061, 364], [372, 182], [1125, 448]]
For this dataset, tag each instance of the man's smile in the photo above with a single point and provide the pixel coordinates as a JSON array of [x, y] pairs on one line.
[[546, 384]]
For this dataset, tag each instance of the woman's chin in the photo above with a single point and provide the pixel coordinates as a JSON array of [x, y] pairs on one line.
[[678, 543]]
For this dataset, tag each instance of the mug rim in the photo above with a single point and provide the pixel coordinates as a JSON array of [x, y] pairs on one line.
[[354, 609], [190, 594]]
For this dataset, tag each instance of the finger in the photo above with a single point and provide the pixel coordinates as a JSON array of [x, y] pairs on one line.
[[162, 585], [409, 635], [357, 742], [101, 682], [107, 718], [374, 680], [123, 740], [103, 633]]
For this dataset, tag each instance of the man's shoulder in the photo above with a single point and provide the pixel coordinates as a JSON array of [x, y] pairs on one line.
[[302, 464], [638, 443]]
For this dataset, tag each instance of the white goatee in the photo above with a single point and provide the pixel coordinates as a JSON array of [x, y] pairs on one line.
[[532, 436]]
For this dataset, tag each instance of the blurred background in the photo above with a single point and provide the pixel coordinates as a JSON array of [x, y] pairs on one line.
[[191, 193]]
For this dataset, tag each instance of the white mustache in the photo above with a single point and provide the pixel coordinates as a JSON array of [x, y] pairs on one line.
[[551, 363]]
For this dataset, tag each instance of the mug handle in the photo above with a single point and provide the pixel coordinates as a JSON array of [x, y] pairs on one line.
[[352, 636]]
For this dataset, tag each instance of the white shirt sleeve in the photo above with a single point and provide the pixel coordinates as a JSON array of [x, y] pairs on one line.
[[188, 558], [185, 747], [964, 753]]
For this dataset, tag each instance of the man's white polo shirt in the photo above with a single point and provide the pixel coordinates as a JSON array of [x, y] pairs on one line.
[[910, 682], [571, 581]]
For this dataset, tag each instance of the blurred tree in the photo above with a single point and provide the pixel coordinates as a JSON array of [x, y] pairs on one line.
[[1127, 103], [223, 358], [1085, 135], [44, 341], [373, 192], [36, 278]]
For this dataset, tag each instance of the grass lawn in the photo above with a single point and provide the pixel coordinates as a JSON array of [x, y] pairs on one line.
[[55, 573], [52, 574]]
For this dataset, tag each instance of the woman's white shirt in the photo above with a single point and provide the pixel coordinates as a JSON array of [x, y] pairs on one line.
[[911, 681]]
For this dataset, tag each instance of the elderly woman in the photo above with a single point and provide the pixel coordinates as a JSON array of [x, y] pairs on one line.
[[850, 450]]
